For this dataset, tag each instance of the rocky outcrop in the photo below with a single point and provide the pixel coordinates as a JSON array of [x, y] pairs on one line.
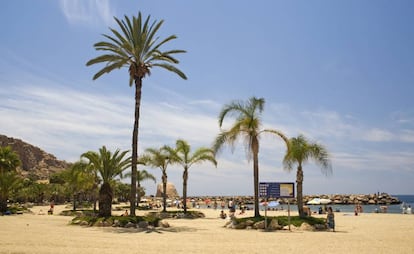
[[36, 163], [171, 191]]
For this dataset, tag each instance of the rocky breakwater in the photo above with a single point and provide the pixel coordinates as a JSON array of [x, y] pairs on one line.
[[350, 199]]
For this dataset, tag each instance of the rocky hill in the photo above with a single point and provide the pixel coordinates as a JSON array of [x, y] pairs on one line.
[[36, 163]]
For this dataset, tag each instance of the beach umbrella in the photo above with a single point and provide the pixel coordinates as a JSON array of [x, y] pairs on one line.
[[319, 201], [325, 201], [315, 201], [273, 204]]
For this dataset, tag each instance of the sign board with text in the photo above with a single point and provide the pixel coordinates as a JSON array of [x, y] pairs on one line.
[[276, 190]]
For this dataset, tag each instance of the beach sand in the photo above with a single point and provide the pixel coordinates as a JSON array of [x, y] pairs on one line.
[[367, 233]]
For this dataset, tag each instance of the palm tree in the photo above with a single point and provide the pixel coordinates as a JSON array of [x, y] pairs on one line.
[[9, 160], [182, 155], [108, 166], [300, 151], [247, 126], [142, 175], [159, 158], [78, 179], [137, 47], [9, 180]]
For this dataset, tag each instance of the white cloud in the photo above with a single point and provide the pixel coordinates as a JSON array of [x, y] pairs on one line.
[[377, 135], [90, 12]]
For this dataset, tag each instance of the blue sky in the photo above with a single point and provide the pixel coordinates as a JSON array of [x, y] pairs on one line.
[[339, 72]]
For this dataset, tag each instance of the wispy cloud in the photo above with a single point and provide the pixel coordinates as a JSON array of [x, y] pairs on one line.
[[90, 12]]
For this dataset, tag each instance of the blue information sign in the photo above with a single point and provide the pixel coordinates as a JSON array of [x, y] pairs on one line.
[[276, 190]]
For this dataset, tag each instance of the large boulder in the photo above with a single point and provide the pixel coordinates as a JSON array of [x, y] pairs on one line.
[[171, 191]]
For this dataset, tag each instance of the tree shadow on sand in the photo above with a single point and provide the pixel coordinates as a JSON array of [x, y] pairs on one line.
[[121, 230]]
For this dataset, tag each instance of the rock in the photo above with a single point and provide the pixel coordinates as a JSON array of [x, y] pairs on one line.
[[130, 225], [164, 224], [249, 223], [171, 191], [116, 223], [228, 224], [306, 227], [274, 225], [319, 227], [241, 225], [143, 224], [259, 225], [84, 223]]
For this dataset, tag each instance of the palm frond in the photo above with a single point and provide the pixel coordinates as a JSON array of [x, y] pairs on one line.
[[172, 69]]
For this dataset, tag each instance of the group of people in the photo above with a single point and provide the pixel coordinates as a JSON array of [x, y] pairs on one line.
[[406, 209], [232, 209], [358, 209]]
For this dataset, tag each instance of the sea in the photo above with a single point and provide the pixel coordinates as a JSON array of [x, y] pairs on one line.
[[397, 208]]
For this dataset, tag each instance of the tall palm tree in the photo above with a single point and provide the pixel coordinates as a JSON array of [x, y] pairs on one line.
[[108, 165], [300, 151], [159, 158], [9, 161], [182, 155], [137, 47], [247, 126]]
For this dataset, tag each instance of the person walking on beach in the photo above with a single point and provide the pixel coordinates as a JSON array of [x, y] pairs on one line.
[[331, 219]]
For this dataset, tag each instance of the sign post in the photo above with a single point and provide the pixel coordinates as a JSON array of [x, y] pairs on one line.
[[276, 190]]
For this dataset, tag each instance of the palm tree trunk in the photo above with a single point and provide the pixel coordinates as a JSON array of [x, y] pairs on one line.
[[299, 184], [256, 176], [3, 204], [185, 178], [138, 88], [256, 188], [164, 192], [74, 202], [105, 200], [138, 191]]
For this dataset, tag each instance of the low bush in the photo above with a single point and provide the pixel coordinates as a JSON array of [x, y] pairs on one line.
[[284, 220]]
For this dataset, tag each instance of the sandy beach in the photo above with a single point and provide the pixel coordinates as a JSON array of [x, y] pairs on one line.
[[367, 233]]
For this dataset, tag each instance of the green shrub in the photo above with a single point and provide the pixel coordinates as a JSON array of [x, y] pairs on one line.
[[284, 220]]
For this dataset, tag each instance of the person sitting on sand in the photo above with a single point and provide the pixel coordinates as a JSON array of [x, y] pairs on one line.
[[223, 215]]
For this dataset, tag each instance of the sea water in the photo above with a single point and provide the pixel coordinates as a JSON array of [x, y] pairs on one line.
[[397, 208]]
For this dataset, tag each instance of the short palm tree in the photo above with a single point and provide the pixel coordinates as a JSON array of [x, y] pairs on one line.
[[78, 179], [9, 180], [136, 46], [108, 165], [247, 126], [182, 155], [159, 158], [142, 175], [9, 160], [300, 151]]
